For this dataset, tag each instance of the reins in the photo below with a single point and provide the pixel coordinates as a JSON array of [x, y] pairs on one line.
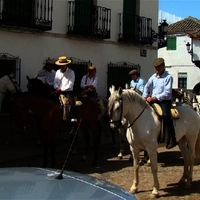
[[112, 122], [121, 103], [137, 117]]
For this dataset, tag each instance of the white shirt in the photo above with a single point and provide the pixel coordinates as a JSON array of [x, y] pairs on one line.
[[49, 76], [64, 81], [89, 81]]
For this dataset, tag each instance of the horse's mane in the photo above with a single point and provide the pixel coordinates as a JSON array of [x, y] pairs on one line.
[[134, 96]]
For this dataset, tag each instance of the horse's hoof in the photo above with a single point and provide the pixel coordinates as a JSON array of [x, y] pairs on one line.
[[133, 191], [154, 196]]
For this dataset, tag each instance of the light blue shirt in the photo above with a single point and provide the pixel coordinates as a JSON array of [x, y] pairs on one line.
[[161, 86], [138, 84]]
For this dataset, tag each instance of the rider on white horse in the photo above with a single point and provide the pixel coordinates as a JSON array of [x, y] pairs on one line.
[[161, 85]]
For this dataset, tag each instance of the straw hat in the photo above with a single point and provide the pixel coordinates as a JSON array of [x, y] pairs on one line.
[[158, 61], [90, 68], [62, 60]]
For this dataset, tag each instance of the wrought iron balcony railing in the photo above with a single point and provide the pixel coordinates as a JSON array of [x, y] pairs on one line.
[[34, 14], [89, 20], [135, 29]]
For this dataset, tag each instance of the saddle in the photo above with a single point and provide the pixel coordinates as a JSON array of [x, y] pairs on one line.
[[64, 102], [158, 110]]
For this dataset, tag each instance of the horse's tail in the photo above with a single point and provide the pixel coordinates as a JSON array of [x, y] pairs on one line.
[[197, 150]]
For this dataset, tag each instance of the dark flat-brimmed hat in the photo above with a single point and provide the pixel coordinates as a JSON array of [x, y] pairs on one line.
[[134, 71], [158, 61], [62, 60], [49, 61], [90, 68]]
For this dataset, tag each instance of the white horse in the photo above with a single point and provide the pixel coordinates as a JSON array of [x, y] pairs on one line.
[[144, 130], [8, 83]]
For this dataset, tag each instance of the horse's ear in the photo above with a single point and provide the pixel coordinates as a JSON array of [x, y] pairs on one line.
[[112, 89], [27, 77], [127, 86], [120, 90]]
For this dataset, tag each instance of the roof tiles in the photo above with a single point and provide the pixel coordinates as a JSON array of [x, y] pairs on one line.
[[189, 24]]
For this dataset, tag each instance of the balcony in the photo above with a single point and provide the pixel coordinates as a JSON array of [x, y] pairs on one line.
[[89, 20], [135, 29], [32, 14]]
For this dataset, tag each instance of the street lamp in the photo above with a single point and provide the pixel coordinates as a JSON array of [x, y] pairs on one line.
[[160, 37], [190, 51], [164, 26]]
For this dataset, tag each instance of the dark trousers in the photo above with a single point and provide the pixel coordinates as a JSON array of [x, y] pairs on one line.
[[70, 96], [168, 126]]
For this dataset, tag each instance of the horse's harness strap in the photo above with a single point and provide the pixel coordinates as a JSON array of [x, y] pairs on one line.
[[120, 113], [137, 117]]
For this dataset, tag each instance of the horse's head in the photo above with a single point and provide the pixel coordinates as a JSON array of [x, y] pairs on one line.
[[115, 107], [35, 85], [8, 83]]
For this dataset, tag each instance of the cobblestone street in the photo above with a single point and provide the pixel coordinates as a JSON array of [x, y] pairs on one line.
[[20, 148]]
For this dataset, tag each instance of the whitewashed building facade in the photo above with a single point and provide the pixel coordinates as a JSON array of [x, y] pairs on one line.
[[55, 27], [181, 64]]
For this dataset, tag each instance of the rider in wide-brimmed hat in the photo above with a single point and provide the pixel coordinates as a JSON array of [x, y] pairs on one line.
[[64, 83]]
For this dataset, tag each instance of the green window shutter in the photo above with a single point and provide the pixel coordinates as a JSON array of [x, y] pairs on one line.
[[129, 11], [171, 43], [130, 6], [83, 16]]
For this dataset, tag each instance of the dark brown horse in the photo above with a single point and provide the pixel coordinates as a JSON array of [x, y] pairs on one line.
[[50, 121]]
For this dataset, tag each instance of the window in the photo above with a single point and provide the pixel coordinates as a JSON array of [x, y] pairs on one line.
[[171, 43], [182, 80]]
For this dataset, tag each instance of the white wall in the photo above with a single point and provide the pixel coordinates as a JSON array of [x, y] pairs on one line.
[[34, 48], [179, 61]]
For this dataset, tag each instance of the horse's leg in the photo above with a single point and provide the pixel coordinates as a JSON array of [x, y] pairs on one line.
[[45, 152], [100, 129], [86, 135], [113, 137], [154, 170], [136, 155], [122, 140], [183, 147], [96, 140], [191, 158]]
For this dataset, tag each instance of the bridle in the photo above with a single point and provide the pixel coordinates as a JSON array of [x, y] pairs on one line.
[[120, 118]]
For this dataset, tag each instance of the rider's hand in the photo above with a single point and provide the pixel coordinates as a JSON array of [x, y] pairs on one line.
[[57, 90], [151, 99]]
